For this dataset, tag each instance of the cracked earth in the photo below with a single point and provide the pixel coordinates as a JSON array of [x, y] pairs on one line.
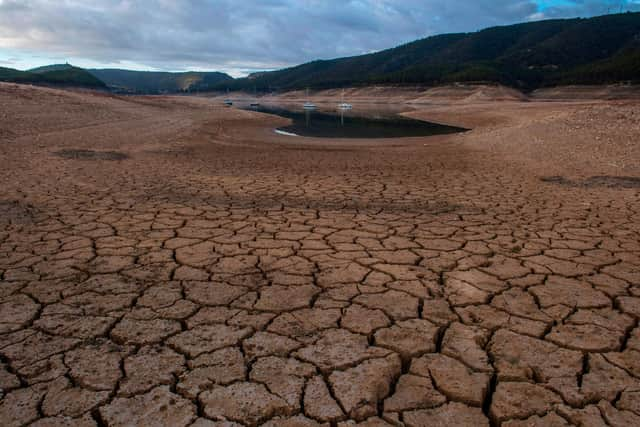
[[167, 262]]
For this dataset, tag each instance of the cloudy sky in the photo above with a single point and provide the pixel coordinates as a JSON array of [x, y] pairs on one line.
[[242, 36]]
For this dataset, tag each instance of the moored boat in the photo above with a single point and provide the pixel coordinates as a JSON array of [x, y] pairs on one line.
[[309, 105], [344, 105]]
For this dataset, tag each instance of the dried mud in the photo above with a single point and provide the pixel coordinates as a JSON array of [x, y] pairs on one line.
[[223, 275]]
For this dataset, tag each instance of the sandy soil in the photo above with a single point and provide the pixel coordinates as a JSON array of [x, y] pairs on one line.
[[167, 261]]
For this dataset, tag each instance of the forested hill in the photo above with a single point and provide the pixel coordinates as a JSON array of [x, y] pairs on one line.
[[122, 81], [599, 50], [153, 82], [64, 75]]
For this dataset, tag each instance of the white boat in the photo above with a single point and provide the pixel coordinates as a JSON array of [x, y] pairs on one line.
[[255, 95], [344, 105], [309, 105], [228, 102]]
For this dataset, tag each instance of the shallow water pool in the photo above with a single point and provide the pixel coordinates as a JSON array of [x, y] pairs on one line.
[[356, 123]]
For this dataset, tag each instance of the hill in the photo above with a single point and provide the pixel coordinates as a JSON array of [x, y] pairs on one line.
[[52, 67], [17, 76], [527, 56], [149, 82], [55, 75]]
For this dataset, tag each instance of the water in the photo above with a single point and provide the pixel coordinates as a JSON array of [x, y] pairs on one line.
[[356, 123]]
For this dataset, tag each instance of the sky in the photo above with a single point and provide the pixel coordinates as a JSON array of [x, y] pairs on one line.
[[244, 36]]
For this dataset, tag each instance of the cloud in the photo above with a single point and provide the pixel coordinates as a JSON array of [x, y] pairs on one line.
[[249, 35]]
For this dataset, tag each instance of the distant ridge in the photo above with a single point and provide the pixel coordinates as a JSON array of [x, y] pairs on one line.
[[527, 56], [155, 82], [52, 67], [119, 81], [53, 75]]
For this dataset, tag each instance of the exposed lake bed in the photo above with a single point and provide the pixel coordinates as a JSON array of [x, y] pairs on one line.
[[179, 254]]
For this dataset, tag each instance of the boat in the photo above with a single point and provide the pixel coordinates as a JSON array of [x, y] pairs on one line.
[[228, 102], [344, 105], [255, 95], [309, 105]]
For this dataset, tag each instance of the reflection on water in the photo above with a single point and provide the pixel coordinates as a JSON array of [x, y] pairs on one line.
[[354, 123]]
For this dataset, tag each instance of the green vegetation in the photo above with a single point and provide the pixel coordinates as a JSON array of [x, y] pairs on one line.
[[17, 76], [69, 75], [152, 82], [599, 50], [52, 67], [56, 75], [123, 81]]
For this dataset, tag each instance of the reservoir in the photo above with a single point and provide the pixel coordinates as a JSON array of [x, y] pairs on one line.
[[356, 123]]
